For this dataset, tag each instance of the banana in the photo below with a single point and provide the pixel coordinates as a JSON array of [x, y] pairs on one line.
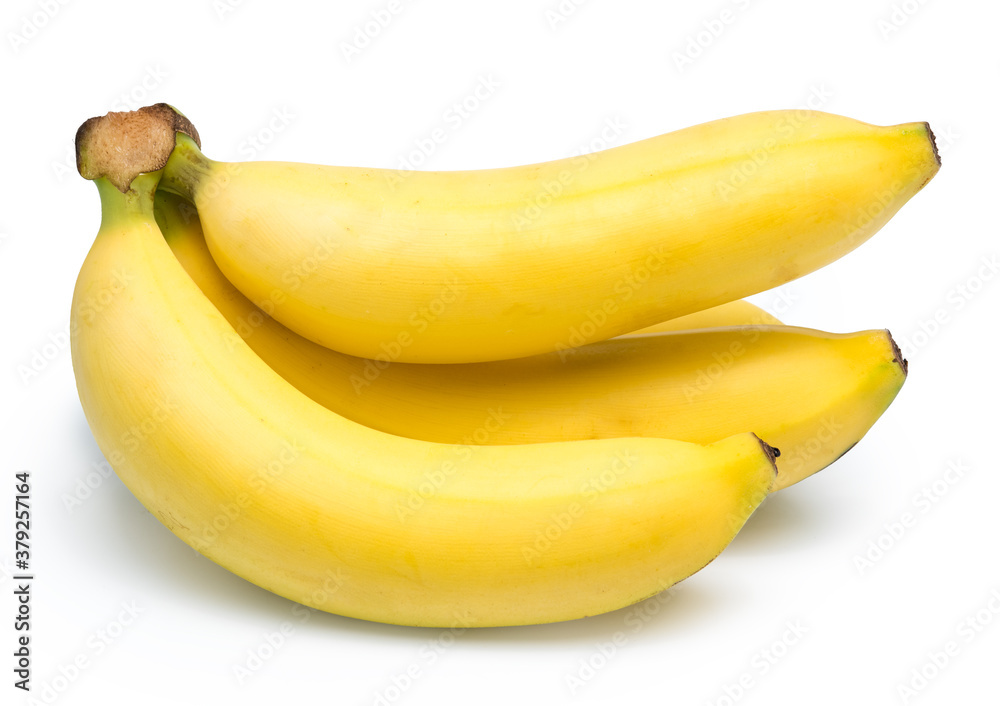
[[180, 224], [470, 266], [343, 518], [811, 394], [736, 313]]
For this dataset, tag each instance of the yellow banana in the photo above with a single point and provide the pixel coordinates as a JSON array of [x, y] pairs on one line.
[[811, 394], [736, 313], [305, 503], [468, 266]]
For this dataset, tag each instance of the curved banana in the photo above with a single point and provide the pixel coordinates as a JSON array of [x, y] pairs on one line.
[[266, 482], [735, 313], [469, 266], [811, 394]]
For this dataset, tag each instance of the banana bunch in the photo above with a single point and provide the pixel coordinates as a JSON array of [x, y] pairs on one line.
[[251, 346]]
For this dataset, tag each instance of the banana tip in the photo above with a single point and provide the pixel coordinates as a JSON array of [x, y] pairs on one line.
[[897, 354], [933, 140], [772, 452]]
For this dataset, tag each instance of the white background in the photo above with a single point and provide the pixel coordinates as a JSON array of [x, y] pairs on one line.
[[235, 67]]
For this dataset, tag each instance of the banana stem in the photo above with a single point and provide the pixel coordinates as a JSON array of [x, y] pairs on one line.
[[136, 204], [118, 147], [186, 167]]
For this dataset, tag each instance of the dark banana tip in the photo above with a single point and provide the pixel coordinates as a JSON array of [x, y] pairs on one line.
[[772, 451], [930, 136], [897, 355]]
